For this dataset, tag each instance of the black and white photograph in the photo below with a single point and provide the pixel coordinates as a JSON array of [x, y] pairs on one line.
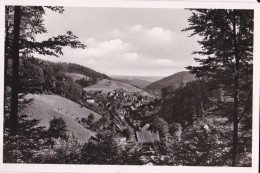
[[128, 86]]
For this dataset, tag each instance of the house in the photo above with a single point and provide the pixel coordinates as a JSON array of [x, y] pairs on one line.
[[93, 138], [121, 141], [145, 127], [122, 117], [98, 92], [123, 111], [108, 105], [110, 94], [100, 104], [136, 122], [134, 98], [227, 99], [147, 136], [137, 104], [87, 78], [140, 99], [116, 94], [132, 108], [90, 99], [148, 150]]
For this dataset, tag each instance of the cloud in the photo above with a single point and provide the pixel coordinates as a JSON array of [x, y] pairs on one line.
[[92, 51], [130, 56], [114, 46], [105, 48], [159, 35], [116, 33], [137, 28], [155, 35], [132, 50], [91, 42], [156, 42]]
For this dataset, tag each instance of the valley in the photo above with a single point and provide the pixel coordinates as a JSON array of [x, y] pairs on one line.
[[98, 111], [101, 109]]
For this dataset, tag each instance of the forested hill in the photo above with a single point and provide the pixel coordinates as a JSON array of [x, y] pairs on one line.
[[76, 68], [39, 76], [174, 81]]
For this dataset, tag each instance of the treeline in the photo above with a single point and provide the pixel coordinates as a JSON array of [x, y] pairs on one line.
[[75, 68], [37, 76], [176, 80]]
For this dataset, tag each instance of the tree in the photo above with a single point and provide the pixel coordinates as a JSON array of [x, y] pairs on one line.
[[161, 125], [188, 103], [57, 128], [15, 73], [106, 151], [227, 42], [90, 119], [21, 31], [175, 129], [29, 139]]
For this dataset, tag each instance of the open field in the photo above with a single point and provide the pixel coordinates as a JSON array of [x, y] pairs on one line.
[[106, 85], [75, 76], [45, 107]]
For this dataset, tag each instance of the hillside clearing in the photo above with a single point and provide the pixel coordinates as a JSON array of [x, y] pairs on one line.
[[75, 76], [45, 107], [106, 85]]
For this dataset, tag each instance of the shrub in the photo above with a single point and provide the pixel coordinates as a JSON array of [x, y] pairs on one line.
[[57, 128]]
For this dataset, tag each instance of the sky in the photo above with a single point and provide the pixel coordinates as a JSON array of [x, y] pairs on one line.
[[125, 41]]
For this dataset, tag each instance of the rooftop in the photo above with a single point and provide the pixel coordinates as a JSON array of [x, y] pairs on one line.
[[147, 136]]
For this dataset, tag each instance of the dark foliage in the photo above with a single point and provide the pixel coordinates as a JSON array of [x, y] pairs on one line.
[[227, 44], [21, 147], [187, 103], [75, 68], [85, 83], [57, 128], [107, 152]]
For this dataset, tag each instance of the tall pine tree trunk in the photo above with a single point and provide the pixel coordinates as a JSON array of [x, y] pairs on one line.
[[235, 122], [15, 73], [6, 45], [236, 92], [6, 50], [6, 57]]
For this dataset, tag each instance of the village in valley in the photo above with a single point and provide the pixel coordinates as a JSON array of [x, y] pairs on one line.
[[130, 112]]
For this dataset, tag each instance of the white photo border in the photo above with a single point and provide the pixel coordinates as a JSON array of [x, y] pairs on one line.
[[137, 4]]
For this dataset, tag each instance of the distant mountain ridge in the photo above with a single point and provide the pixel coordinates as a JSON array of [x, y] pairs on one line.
[[174, 81], [144, 78]]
